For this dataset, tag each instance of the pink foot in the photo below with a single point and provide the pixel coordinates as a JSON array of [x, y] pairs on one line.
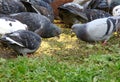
[[104, 43], [29, 55]]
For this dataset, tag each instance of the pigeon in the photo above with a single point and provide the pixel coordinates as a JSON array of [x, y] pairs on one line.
[[106, 5], [9, 25], [55, 4], [46, 6], [112, 4], [41, 3], [76, 14], [98, 4], [83, 3], [22, 41], [71, 11], [116, 11], [40, 9], [11, 6], [93, 14], [97, 30], [48, 1], [38, 23]]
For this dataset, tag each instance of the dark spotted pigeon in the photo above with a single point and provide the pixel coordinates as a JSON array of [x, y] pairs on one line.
[[99, 4], [11, 6], [38, 23], [22, 41], [76, 13], [106, 5], [97, 30], [8, 25]]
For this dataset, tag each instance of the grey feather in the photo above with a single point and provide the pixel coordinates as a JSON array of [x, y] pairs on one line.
[[11, 6]]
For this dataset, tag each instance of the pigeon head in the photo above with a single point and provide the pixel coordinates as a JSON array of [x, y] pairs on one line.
[[48, 31], [55, 31], [116, 11], [76, 28], [80, 31]]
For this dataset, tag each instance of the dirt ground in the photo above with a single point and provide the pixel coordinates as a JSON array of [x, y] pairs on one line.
[[6, 52]]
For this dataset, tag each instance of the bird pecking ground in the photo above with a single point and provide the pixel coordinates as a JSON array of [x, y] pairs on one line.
[[64, 59], [69, 48]]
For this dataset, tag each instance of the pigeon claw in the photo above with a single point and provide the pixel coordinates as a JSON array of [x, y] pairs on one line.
[[104, 43], [29, 55]]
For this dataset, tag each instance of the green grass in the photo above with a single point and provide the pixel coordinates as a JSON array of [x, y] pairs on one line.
[[66, 59], [96, 68]]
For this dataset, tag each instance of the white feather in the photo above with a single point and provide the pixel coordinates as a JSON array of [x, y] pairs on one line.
[[8, 26], [14, 14], [13, 41], [116, 11]]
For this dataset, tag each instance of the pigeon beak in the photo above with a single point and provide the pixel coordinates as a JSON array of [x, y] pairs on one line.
[[26, 28], [72, 33], [58, 36]]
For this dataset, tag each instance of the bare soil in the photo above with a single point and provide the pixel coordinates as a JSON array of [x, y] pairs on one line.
[[6, 52]]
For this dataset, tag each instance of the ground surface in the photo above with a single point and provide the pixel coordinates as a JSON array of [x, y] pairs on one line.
[[64, 59], [68, 47]]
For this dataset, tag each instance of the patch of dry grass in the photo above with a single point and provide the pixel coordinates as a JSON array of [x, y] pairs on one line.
[[69, 48]]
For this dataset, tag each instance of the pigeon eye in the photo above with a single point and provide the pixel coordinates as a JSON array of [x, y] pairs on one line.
[[116, 9], [10, 24]]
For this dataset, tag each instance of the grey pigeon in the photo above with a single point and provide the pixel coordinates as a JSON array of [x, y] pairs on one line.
[[22, 41], [41, 3], [40, 6], [98, 4], [97, 30], [38, 23], [40, 9], [46, 5], [106, 5], [11, 6], [76, 13], [48, 1]]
